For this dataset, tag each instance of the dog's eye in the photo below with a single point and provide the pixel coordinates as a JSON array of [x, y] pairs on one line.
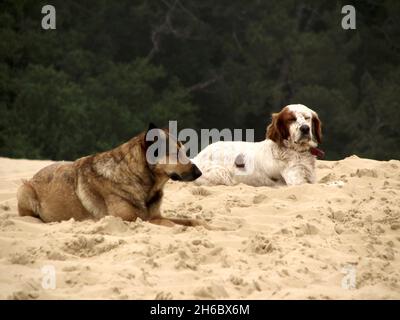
[[307, 118], [292, 119]]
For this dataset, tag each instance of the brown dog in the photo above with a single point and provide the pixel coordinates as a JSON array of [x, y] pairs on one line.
[[120, 182]]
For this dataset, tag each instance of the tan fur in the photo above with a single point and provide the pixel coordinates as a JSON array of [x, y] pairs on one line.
[[119, 182], [278, 130], [317, 128]]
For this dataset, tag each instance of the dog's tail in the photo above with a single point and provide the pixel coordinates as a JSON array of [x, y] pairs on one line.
[[28, 202]]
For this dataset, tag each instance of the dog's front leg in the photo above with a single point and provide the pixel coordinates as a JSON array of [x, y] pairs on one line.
[[296, 175], [162, 222], [119, 207], [155, 217], [170, 222]]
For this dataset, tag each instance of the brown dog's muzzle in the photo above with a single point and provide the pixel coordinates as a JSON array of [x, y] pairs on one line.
[[192, 175], [196, 173]]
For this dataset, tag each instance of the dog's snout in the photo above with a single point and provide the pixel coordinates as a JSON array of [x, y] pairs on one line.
[[305, 129], [192, 174], [196, 172]]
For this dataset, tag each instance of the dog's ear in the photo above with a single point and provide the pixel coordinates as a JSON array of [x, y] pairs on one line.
[[148, 143], [152, 126], [276, 131], [317, 127]]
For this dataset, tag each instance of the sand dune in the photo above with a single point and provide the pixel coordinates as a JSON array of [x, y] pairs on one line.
[[299, 242]]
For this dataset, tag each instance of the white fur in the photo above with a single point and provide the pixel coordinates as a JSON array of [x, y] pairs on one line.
[[265, 163], [303, 117]]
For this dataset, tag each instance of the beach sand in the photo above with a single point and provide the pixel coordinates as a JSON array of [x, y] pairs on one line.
[[336, 239]]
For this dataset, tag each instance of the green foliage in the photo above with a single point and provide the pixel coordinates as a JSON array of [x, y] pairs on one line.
[[111, 67]]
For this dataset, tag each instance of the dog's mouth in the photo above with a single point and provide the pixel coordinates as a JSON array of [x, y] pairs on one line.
[[303, 142], [183, 177], [175, 177], [304, 138], [187, 176]]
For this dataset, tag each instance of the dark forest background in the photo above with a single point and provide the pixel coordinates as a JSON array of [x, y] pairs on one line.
[[110, 67]]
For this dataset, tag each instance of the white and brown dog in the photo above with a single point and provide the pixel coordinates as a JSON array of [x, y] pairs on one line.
[[286, 156]]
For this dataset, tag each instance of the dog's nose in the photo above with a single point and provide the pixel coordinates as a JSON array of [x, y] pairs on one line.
[[196, 172], [305, 129]]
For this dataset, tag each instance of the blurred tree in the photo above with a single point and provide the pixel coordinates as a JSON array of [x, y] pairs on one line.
[[110, 67]]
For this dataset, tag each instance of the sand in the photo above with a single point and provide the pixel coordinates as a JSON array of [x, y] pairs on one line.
[[336, 239]]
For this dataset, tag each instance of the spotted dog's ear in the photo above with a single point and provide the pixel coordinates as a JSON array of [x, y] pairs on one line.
[[317, 128], [277, 130]]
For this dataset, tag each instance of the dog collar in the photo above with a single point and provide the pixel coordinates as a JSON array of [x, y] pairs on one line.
[[317, 152]]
